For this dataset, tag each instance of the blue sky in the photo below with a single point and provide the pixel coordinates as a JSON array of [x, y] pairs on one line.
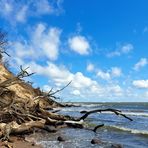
[[101, 45]]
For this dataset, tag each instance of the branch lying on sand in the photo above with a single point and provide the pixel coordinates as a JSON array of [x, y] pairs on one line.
[[117, 112], [14, 127]]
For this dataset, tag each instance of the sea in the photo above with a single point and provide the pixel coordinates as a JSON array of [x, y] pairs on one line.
[[116, 129]]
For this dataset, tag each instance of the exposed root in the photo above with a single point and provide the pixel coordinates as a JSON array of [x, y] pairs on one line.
[[18, 116]]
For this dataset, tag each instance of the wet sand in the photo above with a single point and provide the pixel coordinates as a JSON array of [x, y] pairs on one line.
[[17, 142]]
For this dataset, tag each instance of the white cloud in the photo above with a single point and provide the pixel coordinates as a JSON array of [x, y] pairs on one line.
[[43, 7], [23, 50], [21, 16], [142, 62], [80, 81], [7, 8], [59, 75], [114, 53], [140, 83], [81, 85], [44, 43], [124, 49], [103, 75], [90, 67], [116, 71], [116, 90], [47, 88], [113, 72], [76, 93], [20, 11], [47, 41], [79, 44]]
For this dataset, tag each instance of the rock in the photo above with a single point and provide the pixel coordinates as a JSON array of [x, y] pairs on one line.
[[61, 139], [33, 144], [96, 141], [116, 146]]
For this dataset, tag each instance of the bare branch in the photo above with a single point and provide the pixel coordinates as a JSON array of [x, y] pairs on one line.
[[23, 73], [51, 94], [3, 43], [98, 126], [117, 112]]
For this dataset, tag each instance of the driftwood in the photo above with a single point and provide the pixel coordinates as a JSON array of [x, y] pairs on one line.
[[117, 112], [98, 126], [14, 127], [18, 116]]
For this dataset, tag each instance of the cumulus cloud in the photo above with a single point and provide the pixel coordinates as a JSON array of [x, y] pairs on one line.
[[141, 63], [124, 49], [141, 83], [44, 42], [90, 67], [103, 75], [81, 86], [20, 11], [116, 71], [60, 76], [116, 90], [76, 93], [79, 44], [110, 73], [47, 41]]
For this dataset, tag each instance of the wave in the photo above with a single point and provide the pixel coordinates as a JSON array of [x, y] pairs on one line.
[[133, 131], [130, 113], [91, 105], [136, 114]]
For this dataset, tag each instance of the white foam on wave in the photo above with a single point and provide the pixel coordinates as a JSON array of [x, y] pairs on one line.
[[130, 113], [136, 114], [134, 131], [91, 105]]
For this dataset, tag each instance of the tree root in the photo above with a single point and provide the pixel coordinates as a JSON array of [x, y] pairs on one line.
[[18, 116]]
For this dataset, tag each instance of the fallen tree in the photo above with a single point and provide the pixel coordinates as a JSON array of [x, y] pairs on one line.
[[19, 116]]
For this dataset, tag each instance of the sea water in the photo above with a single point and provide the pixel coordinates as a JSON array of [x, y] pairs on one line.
[[117, 129]]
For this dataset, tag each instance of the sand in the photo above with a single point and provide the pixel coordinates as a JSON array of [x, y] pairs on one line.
[[17, 142]]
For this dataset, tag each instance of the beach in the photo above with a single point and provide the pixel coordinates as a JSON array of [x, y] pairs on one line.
[[117, 130], [17, 142]]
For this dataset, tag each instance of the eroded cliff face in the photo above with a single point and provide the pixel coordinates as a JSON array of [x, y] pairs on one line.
[[25, 91]]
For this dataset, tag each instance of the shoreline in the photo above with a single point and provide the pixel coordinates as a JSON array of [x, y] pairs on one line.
[[19, 142], [69, 137]]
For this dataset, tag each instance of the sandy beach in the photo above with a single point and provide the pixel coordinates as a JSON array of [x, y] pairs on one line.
[[18, 142]]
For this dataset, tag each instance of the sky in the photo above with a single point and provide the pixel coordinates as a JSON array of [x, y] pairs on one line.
[[100, 45]]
